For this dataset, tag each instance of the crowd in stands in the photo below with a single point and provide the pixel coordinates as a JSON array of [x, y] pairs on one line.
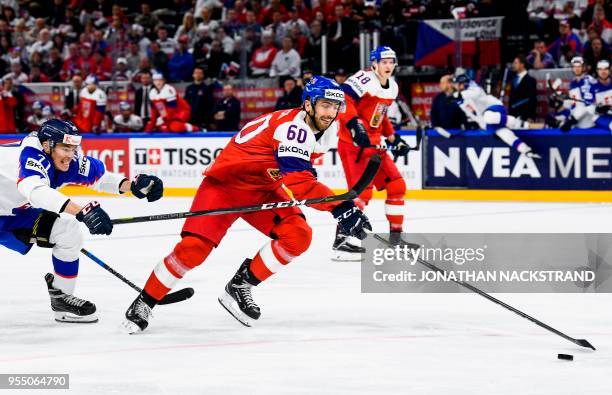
[[190, 41]]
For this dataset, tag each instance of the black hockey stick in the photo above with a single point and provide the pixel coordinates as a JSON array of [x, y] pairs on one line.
[[174, 297], [580, 342], [360, 185], [392, 148]]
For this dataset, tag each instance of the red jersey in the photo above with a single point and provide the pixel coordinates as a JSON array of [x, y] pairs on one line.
[[367, 99], [167, 106], [274, 149], [91, 110]]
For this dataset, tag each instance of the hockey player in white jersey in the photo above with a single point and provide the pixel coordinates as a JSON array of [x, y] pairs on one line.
[[581, 100], [30, 206], [490, 114], [603, 95], [127, 121]]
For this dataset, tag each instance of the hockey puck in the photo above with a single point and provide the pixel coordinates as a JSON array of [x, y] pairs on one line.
[[565, 357]]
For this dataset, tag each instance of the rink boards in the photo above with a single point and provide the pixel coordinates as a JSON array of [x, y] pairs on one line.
[[470, 166]]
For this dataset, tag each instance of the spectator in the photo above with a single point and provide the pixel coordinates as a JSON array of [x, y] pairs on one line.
[[8, 107], [132, 56], [101, 65], [90, 113], [445, 113], [72, 93], [53, 66], [312, 51], [207, 20], [226, 113], [251, 23], [279, 28], [136, 34], [158, 58], [199, 95], [17, 76], [341, 34], [36, 75], [227, 43], [216, 59], [35, 120], [601, 25], [539, 57], [117, 37], [566, 45], [73, 64], [232, 24], [523, 92], [202, 46], [292, 95], [594, 52], [142, 104], [274, 6], [126, 121], [122, 72], [146, 19], [188, 28], [181, 64], [287, 61], [262, 58], [303, 12], [43, 44], [168, 45], [299, 40], [99, 43]]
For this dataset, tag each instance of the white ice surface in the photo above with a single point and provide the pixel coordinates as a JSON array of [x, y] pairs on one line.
[[318, 334]]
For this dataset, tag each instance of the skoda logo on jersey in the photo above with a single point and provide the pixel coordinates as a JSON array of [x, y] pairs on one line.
[[334, 94], [293, 150]]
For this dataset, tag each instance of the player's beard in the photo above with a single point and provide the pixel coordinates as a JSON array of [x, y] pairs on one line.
[[320, 125]]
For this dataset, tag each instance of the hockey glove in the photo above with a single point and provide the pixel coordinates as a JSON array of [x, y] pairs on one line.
[[401, 148], [567, 125], [603, 109], [359, 132], [147, 186], [96, 219], [352, 220]]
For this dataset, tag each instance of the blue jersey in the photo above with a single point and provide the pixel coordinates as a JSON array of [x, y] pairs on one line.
[[603, 93], [28, 176], [583, 89]]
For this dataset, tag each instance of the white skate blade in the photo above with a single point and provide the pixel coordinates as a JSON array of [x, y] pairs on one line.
[[231, 306], [130, 328], [63, 316], [344, 256]]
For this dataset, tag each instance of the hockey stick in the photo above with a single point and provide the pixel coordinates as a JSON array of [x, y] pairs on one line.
[[173, 297], [416, 147], [580, 342], [360, 185]]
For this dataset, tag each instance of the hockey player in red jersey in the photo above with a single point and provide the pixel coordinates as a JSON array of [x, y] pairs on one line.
[[169, 112], [90, 112], [273, 149], [363, 125]]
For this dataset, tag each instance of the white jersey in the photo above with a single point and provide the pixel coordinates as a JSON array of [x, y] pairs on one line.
[[27, 176], [133, 123], [475, 101]]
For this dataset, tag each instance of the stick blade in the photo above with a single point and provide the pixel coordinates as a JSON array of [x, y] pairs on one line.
[[584, 343], [177, 296], [368, 175]]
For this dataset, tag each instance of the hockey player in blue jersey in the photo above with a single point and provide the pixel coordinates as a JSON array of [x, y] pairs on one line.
[[581, 98], [489, 113], [603, 95], [30, 206]]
